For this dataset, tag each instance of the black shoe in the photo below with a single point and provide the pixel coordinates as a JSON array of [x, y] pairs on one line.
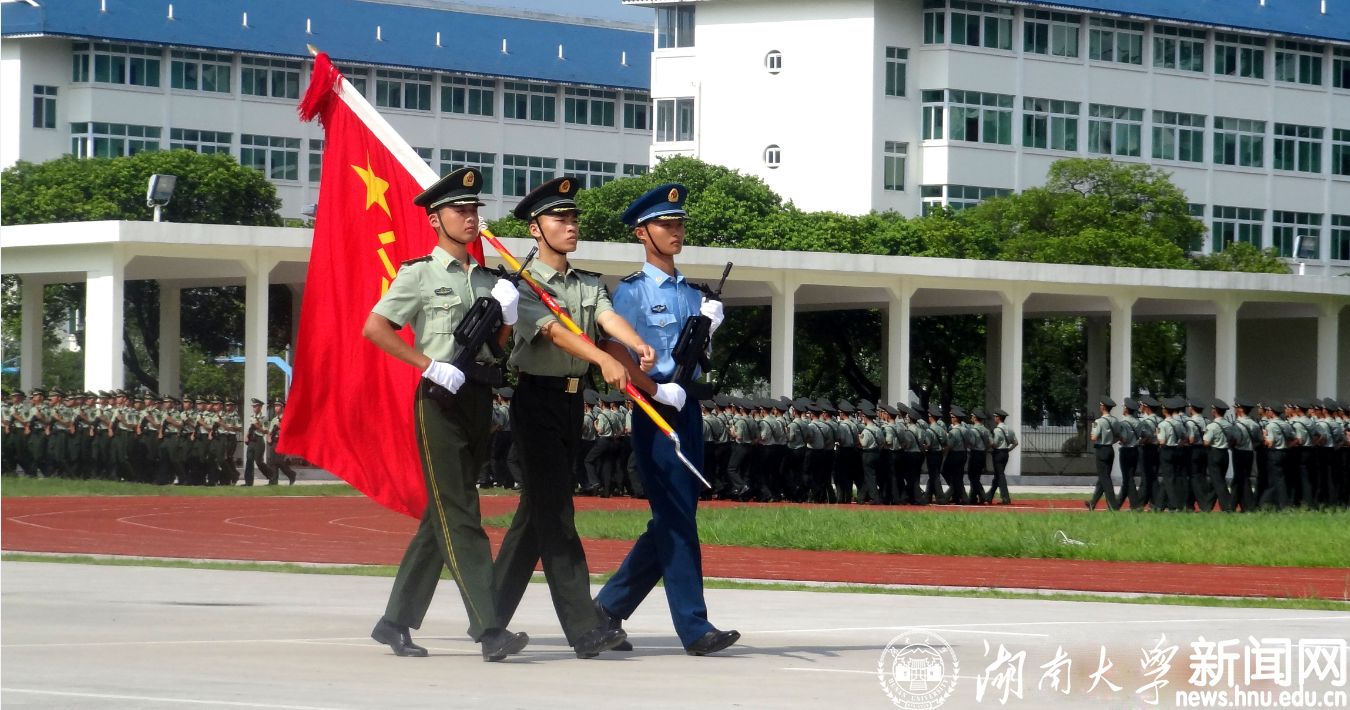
[[613, 623], [397, 638], [500, 643], [712, 642], [598, 639], [1088, 505]]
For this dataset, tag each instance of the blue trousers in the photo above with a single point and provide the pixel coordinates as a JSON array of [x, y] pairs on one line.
[[669, 549]]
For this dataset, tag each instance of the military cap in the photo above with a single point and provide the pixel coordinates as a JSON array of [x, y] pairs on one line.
[[256, 402], [845, 406], [150, 396], [901, 408], [507, 392], [867, 412], [1175, 403], [957, 412], [866, 404], [460, 187], [1149, 401], [1219, 404], [1241, 403], [1107, 402], [277, 400], [889, 409], [38, 391], [722, 400], [814, 408], [661, 202], [16, 393], [556, 196], [1130, 404], [979, 413], [706, 403], [590, 396], [826, 406], [166, 399]]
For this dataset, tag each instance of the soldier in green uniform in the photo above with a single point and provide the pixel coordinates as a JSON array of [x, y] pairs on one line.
[[1103, 437], [1003, 441], [546, 412], [9, 455], [1244, 455], [170, 443], [934, 444], [1220, 435], [954, 465], [1128, 453], [1278, 435], [979, 439], [227, 441], [1146, 434], [907, 451], [60, 427], [255, 445], [35, 421], [276, 459], [154, 467], [452, 417], [869, 452]]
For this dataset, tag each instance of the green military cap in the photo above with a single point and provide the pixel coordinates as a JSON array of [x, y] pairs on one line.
[[256, 402], [166, 399], [1130, 404], [1107, 402], [1241, 403], [900, 408], [276, 401], [890, 410], [845, 406], [591, 396], [460, 187], [556, 196], [722, 400], [1219, 404], [866, 404], [867, 412], [814, 408], [957, 412], [825, 405], [38, 391], [706, 403], [17, 393], [1175, 403], [979, 413], [1000, 413]]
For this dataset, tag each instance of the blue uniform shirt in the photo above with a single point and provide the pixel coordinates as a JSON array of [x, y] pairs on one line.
[[657, 306]]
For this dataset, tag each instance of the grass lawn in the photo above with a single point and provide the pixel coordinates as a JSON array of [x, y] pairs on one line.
[[1292, 538]]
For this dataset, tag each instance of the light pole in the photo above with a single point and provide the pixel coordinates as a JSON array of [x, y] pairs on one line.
[[159, 192]]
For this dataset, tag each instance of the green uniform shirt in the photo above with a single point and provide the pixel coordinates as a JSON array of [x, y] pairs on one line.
[[585, 298], [1216, 435], [1275, 432], [870, 438], [1171, 431], [1129, 431], [433, 294], [1102, 432], [815, 437]]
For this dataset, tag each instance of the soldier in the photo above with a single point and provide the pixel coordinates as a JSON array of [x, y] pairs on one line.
[[869, 452], [546, 414], [1250, 442], [978, 441], [171, 443], [1146, 436], [1004, 441], [847, 463], [1340, 456], [1199, 464], [908, 441], [1128, 454], [502, 473], [275, 459], [743, 437], [1297, 474], [795, 485], [60, 428], [9, 456], [587, 483], [1220, 436], [954, 465], [1277, 437], [452, 416], [154, 469], [255, 444], [1323, 449], [1103, 436], [934, 444]]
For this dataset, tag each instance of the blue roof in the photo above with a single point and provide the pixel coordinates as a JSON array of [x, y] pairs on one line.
[[1301, 18], [471, 42]]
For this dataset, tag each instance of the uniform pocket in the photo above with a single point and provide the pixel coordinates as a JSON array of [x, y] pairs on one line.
[[441, 313], [664, 329]]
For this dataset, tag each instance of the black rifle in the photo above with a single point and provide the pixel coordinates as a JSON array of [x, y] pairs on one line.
[[691, 349], [480, 327]]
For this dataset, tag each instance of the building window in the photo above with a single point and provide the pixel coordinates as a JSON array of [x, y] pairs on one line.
[[674, 120], [1050, 124], [773, 62], [1340, 237], [1340, 151], [356, 76], [1298, 62], [1178, 48], [1179, 136], [1298, 148], [637, 112], [1340, 67], [315, 160], [593, 173], [1239, 55], [116, 64], [975, 116], [773, 156], [474, 97], [522, 173], [978, 24], [200, 71], [529, 102], [44, 106], [589, 107], [1237, 224], [1239, 141], [276, 157], [425, 154], [897, 60], [1119, 41], [893, 161], [1052, 33], [675, 26], [1115, 130], [932, 114], [402, 89], [277, 78], [1289, 227], [485, 163], [957, 197], [200, 141], [111, 140]]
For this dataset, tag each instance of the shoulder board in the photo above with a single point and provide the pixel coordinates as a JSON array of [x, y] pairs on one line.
[[418, 260], [596, 274], [632, 277]]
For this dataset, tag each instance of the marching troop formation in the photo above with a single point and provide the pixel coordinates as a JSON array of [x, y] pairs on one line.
[[139, 437]]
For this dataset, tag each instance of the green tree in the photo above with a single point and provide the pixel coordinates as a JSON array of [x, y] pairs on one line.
[[1241, 256]]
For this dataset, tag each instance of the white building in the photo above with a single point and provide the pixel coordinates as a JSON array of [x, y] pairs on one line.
[[860, 105], [523, 97]]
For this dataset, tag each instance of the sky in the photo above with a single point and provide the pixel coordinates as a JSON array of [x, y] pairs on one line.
[[603, 9]]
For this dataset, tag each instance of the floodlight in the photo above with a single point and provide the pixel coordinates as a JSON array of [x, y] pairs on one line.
[[159, 192]]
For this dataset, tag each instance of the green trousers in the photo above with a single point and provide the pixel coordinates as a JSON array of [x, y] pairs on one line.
[[452, 439]]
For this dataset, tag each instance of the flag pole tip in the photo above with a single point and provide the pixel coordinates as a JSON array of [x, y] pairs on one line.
[[313, 51]]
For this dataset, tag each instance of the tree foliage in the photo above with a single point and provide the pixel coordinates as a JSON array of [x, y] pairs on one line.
[[1241, 256]]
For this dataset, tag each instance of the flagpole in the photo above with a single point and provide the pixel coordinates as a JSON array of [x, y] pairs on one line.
[[425, 177]]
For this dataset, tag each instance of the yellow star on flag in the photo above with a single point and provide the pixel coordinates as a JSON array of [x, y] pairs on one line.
[[375, 187]]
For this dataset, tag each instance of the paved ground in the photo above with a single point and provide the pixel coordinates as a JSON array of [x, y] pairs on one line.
[[118, 638]]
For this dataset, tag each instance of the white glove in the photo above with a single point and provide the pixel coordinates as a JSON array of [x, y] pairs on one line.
[[712, 310], [445, 375], [671, 394], [506, 294]]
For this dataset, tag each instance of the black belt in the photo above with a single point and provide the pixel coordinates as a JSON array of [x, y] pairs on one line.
[[570, 385]]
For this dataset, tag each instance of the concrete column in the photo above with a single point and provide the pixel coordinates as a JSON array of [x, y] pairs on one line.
[[31, 297], [1010, 369], [257, 269], [170, 337], [784, 307], [1225, 349], [297, 298], [103, 345], [897, 343], [993, 355], [1200, 359], [1328, 337], [1122, 348], [1096, 364]]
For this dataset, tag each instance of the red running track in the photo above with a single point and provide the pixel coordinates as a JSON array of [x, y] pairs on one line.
[[355, 530]]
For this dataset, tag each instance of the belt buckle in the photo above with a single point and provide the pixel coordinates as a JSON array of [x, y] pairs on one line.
[[573, 384]]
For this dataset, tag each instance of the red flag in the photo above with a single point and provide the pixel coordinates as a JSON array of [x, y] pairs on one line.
[[350, 404]]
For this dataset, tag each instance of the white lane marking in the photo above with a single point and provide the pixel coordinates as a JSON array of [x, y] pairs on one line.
[[20, 519], [131, 520], [340, 523], [235, 521], [893, 628], [152, 699]]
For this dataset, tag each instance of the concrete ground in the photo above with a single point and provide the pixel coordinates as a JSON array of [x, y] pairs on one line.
[[77, 636]]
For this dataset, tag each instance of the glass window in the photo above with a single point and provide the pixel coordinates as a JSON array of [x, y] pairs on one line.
[[1179, 136], [403, 89], [933, 112], [1298, 62], [1119, 41], [635, 169], [957, 197], [1052, 33], [674, 120], [1298, 148], [111, 140], [589, 107], [1237, 224], [972, 116], [529, 102], [44, 106], [277, 157], [200, 71], [893, 160], [1289, 227], [979, 24], [593, 173], [1178, 48], [485, 163], [897, 60], [522, 173], [1340, 68], [106, 63], [674, 26], [1340, 237], [315, 160], [461, 94], [934, 21], [1114, 130], [1050, 124], [277, 78], [358, 77], [1239, 141], [637, 110], [1340, 151], [1239, 55], [200, 141]]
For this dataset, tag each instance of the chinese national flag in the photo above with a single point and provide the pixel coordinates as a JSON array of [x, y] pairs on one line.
[[350, 404]]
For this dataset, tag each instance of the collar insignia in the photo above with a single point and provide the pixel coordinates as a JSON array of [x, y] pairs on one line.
[[659, 308], [444, 291]]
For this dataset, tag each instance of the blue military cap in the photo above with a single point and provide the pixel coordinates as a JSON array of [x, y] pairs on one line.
[[460, 187], [553, 197], [661, 202]]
